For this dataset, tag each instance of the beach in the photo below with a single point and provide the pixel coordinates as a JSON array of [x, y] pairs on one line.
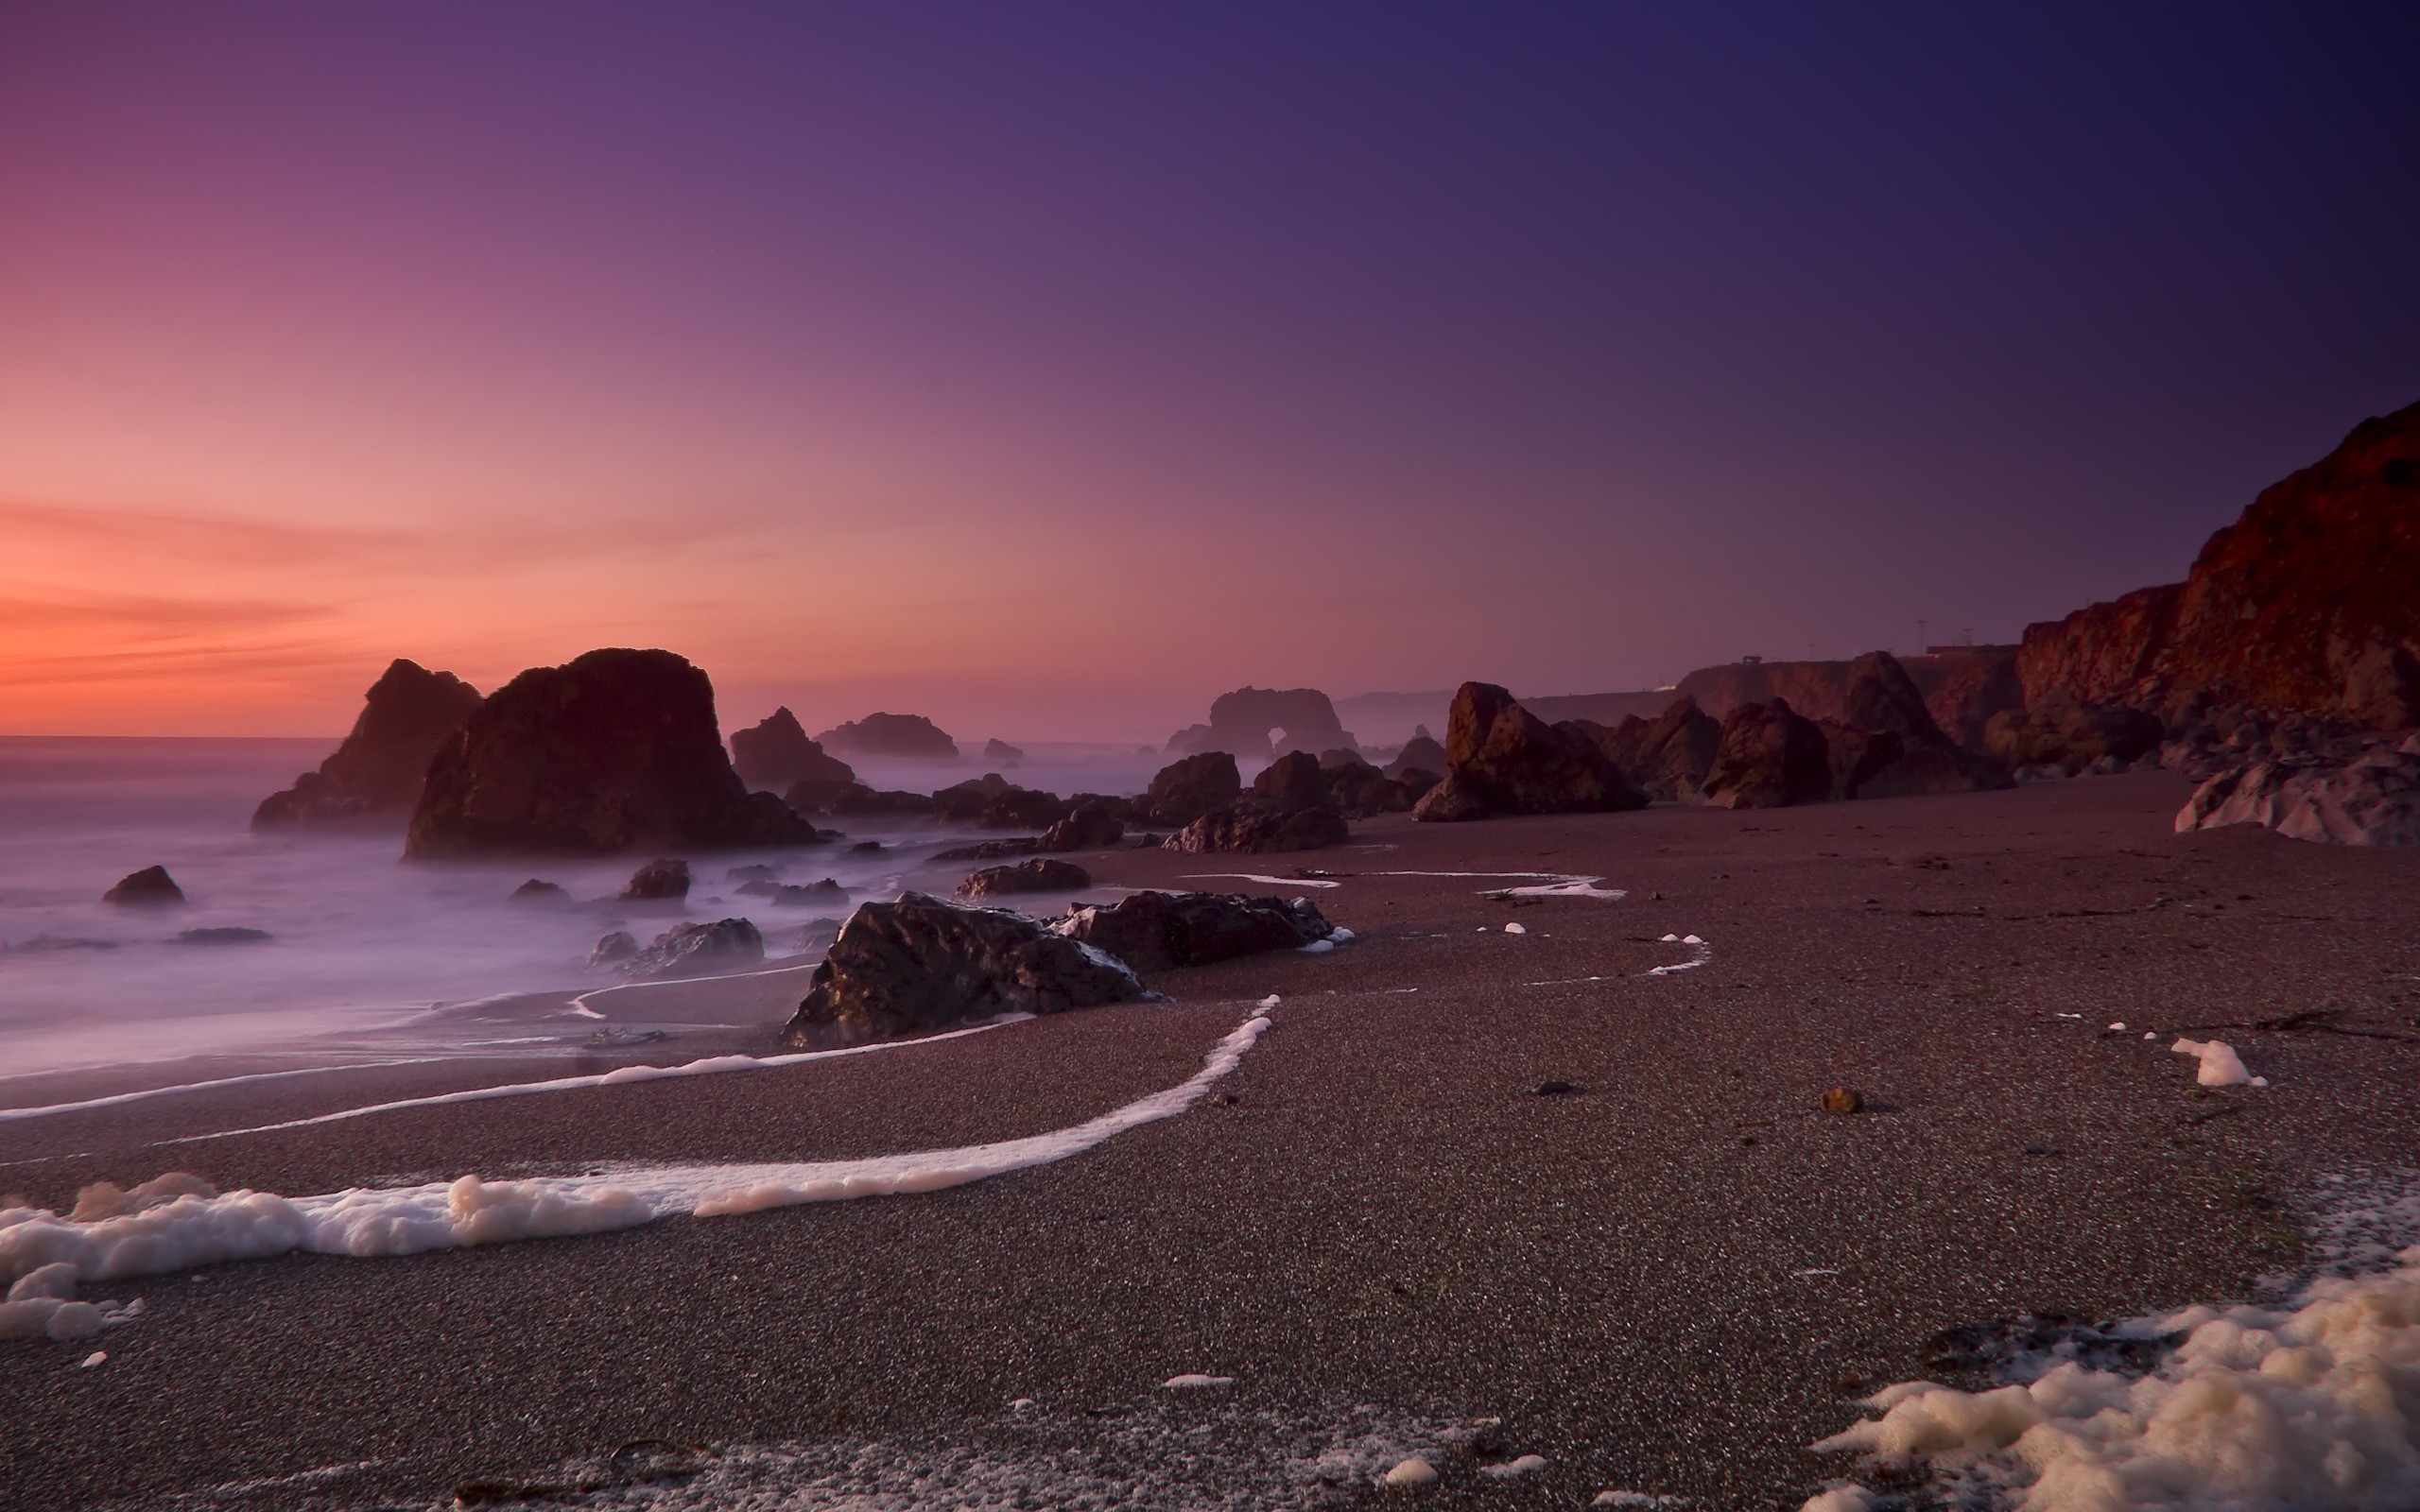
[[1670, 1279]]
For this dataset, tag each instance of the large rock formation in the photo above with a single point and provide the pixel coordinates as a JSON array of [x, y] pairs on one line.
[[1242, 723], [2311, 601], [1666, 757], [2373, 800], [1502, 759], [1184, 790], [1252, 830], [1155, 931], [776, 753], [2061, 732], [378, 770], [1770, 758], [614, 750], [1032, 876], [911, 736], [1887, 746], [922, 964]]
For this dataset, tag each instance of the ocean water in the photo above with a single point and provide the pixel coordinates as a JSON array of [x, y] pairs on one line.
[[367, 951]]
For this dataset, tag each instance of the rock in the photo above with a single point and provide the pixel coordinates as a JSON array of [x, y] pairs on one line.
[[922, 964], [2309, 601], [1451, 800], [379, 769], [544, 893], [1968, 687], [784, 895], [659, 881], [1666, 757], [1843, 1100], [2374, 799], [1243, 722], [1555, 1089], [618, 946], [614, 750], [776, 754], [690, 949], [910, 737], [1506, 761], [1889, 745], [991, 850], [152, 887], [1358, 790], [1156, 931], [1770, 758], [1293, 781], [1085, 827], [866, 848], [230, 935], [1183, 791], [1000, 750], [1033, 876], [1023, 808], [1252, 829], [2059, 731], [1420, 754], [858, 799]]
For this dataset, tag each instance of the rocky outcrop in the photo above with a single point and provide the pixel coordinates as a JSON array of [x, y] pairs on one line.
[[1502, 759], [1252, 829], [823, 894], [2373, 800], [698, 950], [1967, 688], [2059, 731], [1666, 757], [614, 750], [661, 881], [1770, 758], [1889, 745], [2311, 601], [1242, 724], [1032, 876], [1000, 750], [1421, 753], [907, 736], [776, 754], [922, 964], [378, 771], [541, 894], [1293, 781], [152, 887], [1184, 790], [1156, 931], [1086, 827], [1358, 790]]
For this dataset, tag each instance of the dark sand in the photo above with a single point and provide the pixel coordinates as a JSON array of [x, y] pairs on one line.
[[1386, 1213]]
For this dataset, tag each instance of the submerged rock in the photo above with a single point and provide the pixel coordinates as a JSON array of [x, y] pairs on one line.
[[618, 946], [152, 887], [1033, 876], [547, 894], [1155, 931], [661, 880], [379, 769], [698, 950], [923, 963]]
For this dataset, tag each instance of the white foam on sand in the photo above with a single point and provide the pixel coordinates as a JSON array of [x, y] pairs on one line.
[[2221, 1066], [176, 1228], [1548, 883], [579, 1004], [1702, 952], [9, 1115], [1265, 882]]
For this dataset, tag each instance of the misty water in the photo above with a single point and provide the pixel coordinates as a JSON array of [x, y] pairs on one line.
[[367, 954]]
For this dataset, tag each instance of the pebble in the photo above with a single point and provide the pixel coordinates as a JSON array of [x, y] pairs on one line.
[[1412, 1472], [1555, 1089], [1843, 1100]]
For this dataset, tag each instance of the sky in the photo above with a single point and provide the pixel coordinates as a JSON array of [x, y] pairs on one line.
[[1049, 368]]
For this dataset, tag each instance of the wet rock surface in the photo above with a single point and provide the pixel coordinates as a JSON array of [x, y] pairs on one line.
[[1156, 931], [1033, 876], [698, 950]]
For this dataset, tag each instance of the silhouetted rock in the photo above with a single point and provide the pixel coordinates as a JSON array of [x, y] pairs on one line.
[[614, 750], [1770, 758], [1241, 722], [1000, 750], [911, 736], [1502, 759], [2311, 601], [2371, 800], [1184, 790], [699, 949], [1251, 830], [923, 963], [1293, 781], [225, 934], [1033, 876], [776, 754], [378, 770], [1155, 930], [544, 894], [152, 887], [1085, 827], [1421, 753], [659, 881]]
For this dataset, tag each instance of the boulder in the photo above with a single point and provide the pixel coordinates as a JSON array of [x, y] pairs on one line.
[[1293, 781], [614, 750], [1184, 790], [1769, 758], [378, 771], [612, 949], [1033, 876], [1254, 830], [1507, 761], [2059, 731], [1889, 745], [665, 881], [1088, 826], [2309, 601], [542, 894], [1451, 800], [910, 736], [2371, 800], [698, 950], [922, 964], [776, 754], [1358, 790], [785, 895], [152, 887], [1155, 930], [1666, 757], [1023, 808]]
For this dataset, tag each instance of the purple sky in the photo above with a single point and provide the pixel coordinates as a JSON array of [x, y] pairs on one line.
[[1049, 368]]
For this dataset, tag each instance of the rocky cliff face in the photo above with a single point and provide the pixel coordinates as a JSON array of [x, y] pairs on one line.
[[2309, 602], [614, 750], [408, 712]]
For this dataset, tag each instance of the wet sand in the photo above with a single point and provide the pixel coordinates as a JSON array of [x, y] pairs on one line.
[[1670, 1281]]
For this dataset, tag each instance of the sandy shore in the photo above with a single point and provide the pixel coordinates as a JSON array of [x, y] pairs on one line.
[[1668, 1282]]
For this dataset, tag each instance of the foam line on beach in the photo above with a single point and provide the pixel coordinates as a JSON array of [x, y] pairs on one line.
[[1547, 883], [621, 1077], [1705, 953], [1265, 882], [189, 1228], [9, 1115], [579, 1004]]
